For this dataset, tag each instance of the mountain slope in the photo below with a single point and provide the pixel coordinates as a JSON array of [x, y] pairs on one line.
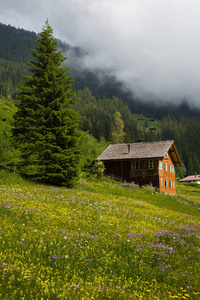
[[16, 44]]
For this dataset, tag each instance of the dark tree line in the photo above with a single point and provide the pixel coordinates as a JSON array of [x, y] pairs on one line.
[[185, 131], [15, 44], [10, 76]]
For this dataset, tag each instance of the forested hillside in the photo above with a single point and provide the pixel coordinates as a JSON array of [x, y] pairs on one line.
[[97, 117], [99, 100], [185, 131], [15, 45]]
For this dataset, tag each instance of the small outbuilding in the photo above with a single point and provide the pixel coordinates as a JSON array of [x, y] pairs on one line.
[[191, 179], [153, 129], [143, 163], [154, 120]]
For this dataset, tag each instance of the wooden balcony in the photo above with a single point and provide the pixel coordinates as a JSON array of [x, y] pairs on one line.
[[144, 172]]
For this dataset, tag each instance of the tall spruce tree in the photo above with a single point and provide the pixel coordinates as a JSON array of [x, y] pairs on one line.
[[46, 128]]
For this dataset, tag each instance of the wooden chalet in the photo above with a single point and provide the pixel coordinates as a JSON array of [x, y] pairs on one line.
[[143, 163], [191, 179]]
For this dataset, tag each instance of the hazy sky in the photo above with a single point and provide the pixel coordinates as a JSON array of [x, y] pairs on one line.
[[154, 45]]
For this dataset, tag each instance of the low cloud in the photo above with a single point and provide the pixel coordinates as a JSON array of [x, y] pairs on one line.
[[153, 46]]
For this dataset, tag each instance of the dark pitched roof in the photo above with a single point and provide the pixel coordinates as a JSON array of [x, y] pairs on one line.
[[191, 178], [140, 151]]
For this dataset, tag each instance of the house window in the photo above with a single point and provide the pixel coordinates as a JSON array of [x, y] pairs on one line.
[[137, 165], [166, 182], [160, 164], [170, 168], [165, 166], [150, 164], [161, 181], [173, 169], [170, 184], [173, 184]]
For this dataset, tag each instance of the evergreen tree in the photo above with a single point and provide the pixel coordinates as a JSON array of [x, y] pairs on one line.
[[46, 128], [190, 167], [181, 171], [196, 164]]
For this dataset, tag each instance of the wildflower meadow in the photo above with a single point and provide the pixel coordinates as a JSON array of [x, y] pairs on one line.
[[98, 241]]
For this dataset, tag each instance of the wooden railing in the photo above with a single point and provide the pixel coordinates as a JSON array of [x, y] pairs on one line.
[[144, 172]]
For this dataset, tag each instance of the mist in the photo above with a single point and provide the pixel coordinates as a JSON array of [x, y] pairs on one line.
[[152, 46]]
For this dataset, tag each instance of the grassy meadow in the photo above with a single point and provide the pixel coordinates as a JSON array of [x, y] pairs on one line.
[[141, 123], [98, 241]]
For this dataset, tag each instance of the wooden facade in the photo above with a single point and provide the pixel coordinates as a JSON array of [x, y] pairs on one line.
[[143, 164]]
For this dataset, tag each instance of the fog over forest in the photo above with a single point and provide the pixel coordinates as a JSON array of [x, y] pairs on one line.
[[153, 46]]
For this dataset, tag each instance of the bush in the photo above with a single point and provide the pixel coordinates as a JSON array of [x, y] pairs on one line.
[[96, 168]]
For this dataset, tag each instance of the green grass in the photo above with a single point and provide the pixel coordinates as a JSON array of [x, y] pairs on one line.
[[141, 123], [98, 241]]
